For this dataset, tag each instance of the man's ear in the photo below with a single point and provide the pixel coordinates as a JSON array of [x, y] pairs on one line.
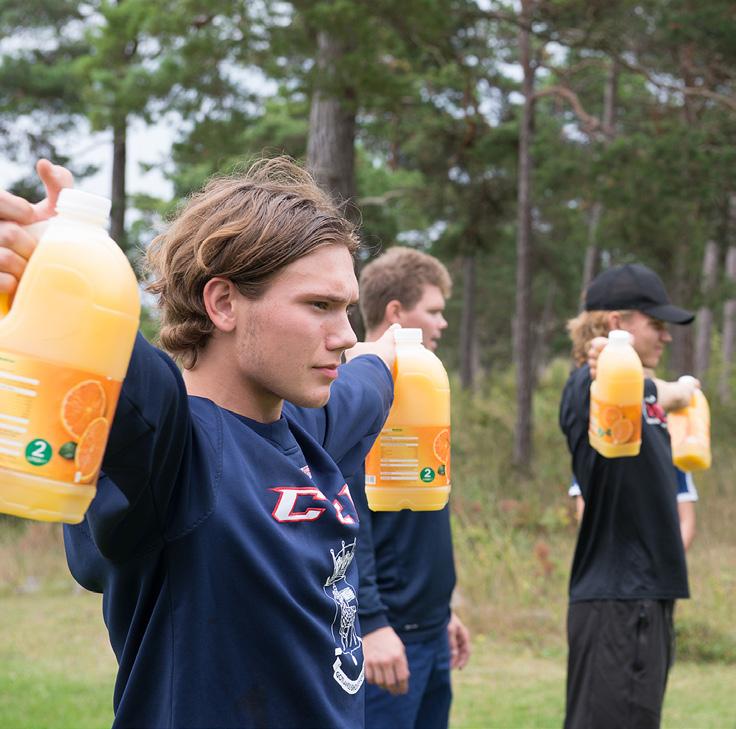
[[392, 314], [219, 296], [614, 320]]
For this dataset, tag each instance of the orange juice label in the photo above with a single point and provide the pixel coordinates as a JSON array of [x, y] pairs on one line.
[[616, 424], [54, 420], [415, 454]]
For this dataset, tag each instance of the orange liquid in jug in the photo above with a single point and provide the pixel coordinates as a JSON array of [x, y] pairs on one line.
[[409, 464], [690, 434], [65, 345], [616, 397]]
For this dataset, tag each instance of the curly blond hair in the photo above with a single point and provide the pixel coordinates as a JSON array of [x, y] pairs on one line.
[[585, 327]]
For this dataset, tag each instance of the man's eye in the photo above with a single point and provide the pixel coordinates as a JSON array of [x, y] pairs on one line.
[[321, 305]]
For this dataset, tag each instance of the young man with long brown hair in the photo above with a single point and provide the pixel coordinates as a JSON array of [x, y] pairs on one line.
[[223, 533]]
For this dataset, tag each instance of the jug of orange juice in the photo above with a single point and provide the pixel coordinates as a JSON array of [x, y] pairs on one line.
[[690, 433], [65, 344], [616, 396], [409, 464]]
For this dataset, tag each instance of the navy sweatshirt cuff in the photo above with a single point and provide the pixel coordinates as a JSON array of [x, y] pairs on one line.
[[369, 623]]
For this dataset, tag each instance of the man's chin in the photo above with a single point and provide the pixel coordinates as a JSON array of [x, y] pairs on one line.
[[316, 399]]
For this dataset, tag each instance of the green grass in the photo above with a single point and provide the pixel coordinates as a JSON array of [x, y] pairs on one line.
[[56, 666], [508, 688], [57, 672]]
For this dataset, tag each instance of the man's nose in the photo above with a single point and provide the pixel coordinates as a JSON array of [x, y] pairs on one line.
[[343, 337]]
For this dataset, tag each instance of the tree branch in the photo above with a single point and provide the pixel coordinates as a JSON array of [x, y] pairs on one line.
[[591, 124], [726, 100], [380, 200]]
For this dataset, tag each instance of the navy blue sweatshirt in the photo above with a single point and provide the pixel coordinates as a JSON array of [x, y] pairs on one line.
[[224, 549], [406, 566]]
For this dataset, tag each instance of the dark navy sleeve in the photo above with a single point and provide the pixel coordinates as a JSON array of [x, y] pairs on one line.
[[372, 610], [149, 437], [359, 402]]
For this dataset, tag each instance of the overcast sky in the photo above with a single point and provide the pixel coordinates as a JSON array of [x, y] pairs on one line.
[[149, 144]]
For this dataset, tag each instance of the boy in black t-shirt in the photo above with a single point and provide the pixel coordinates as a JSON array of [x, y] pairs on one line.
[[629, 563]]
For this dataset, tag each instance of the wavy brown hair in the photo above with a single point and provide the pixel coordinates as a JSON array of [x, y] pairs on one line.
[[244, 228], [584, 328]]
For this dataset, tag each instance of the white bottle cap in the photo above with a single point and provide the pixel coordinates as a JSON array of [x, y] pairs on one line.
[[619, 336], [407, 336], [686, 380], [78, 204]]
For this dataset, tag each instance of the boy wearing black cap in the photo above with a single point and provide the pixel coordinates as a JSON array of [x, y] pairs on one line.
[[629, 563]]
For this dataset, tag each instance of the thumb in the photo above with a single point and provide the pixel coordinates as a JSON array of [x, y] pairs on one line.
[[54, 178]]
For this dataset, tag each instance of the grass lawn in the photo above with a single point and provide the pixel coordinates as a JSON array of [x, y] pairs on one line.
[[508, 688], [56, 666], [57, 672]]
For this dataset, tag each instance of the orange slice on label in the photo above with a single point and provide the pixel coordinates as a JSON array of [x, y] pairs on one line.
[[441, 446], [90, 449], [610, 414], [81, 405], [622, 430]]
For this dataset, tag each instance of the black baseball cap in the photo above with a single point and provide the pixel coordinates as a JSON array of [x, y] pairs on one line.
[[634, 286]]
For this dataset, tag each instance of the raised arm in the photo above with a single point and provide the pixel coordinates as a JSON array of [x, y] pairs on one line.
[[142, 475]]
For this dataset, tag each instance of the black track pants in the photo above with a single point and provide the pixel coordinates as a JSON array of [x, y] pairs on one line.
[[620, 652]]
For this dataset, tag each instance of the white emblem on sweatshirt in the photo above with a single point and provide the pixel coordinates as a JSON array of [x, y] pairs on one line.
[[348, 644]]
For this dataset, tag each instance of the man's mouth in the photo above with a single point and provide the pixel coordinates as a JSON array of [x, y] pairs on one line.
[[329, 370]]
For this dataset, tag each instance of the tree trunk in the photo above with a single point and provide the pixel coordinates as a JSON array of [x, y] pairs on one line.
[[119, 159], [543, 331], [729, 329], [681, 358], [592, 253], [729, 307], [704, 321], [331, 142], [610, 100], [467, 324], [522, 325]]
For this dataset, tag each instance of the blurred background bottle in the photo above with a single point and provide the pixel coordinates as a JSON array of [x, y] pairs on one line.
[[690, 433]]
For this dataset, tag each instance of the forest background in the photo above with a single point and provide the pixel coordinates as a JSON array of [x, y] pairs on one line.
[[528, 145]]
